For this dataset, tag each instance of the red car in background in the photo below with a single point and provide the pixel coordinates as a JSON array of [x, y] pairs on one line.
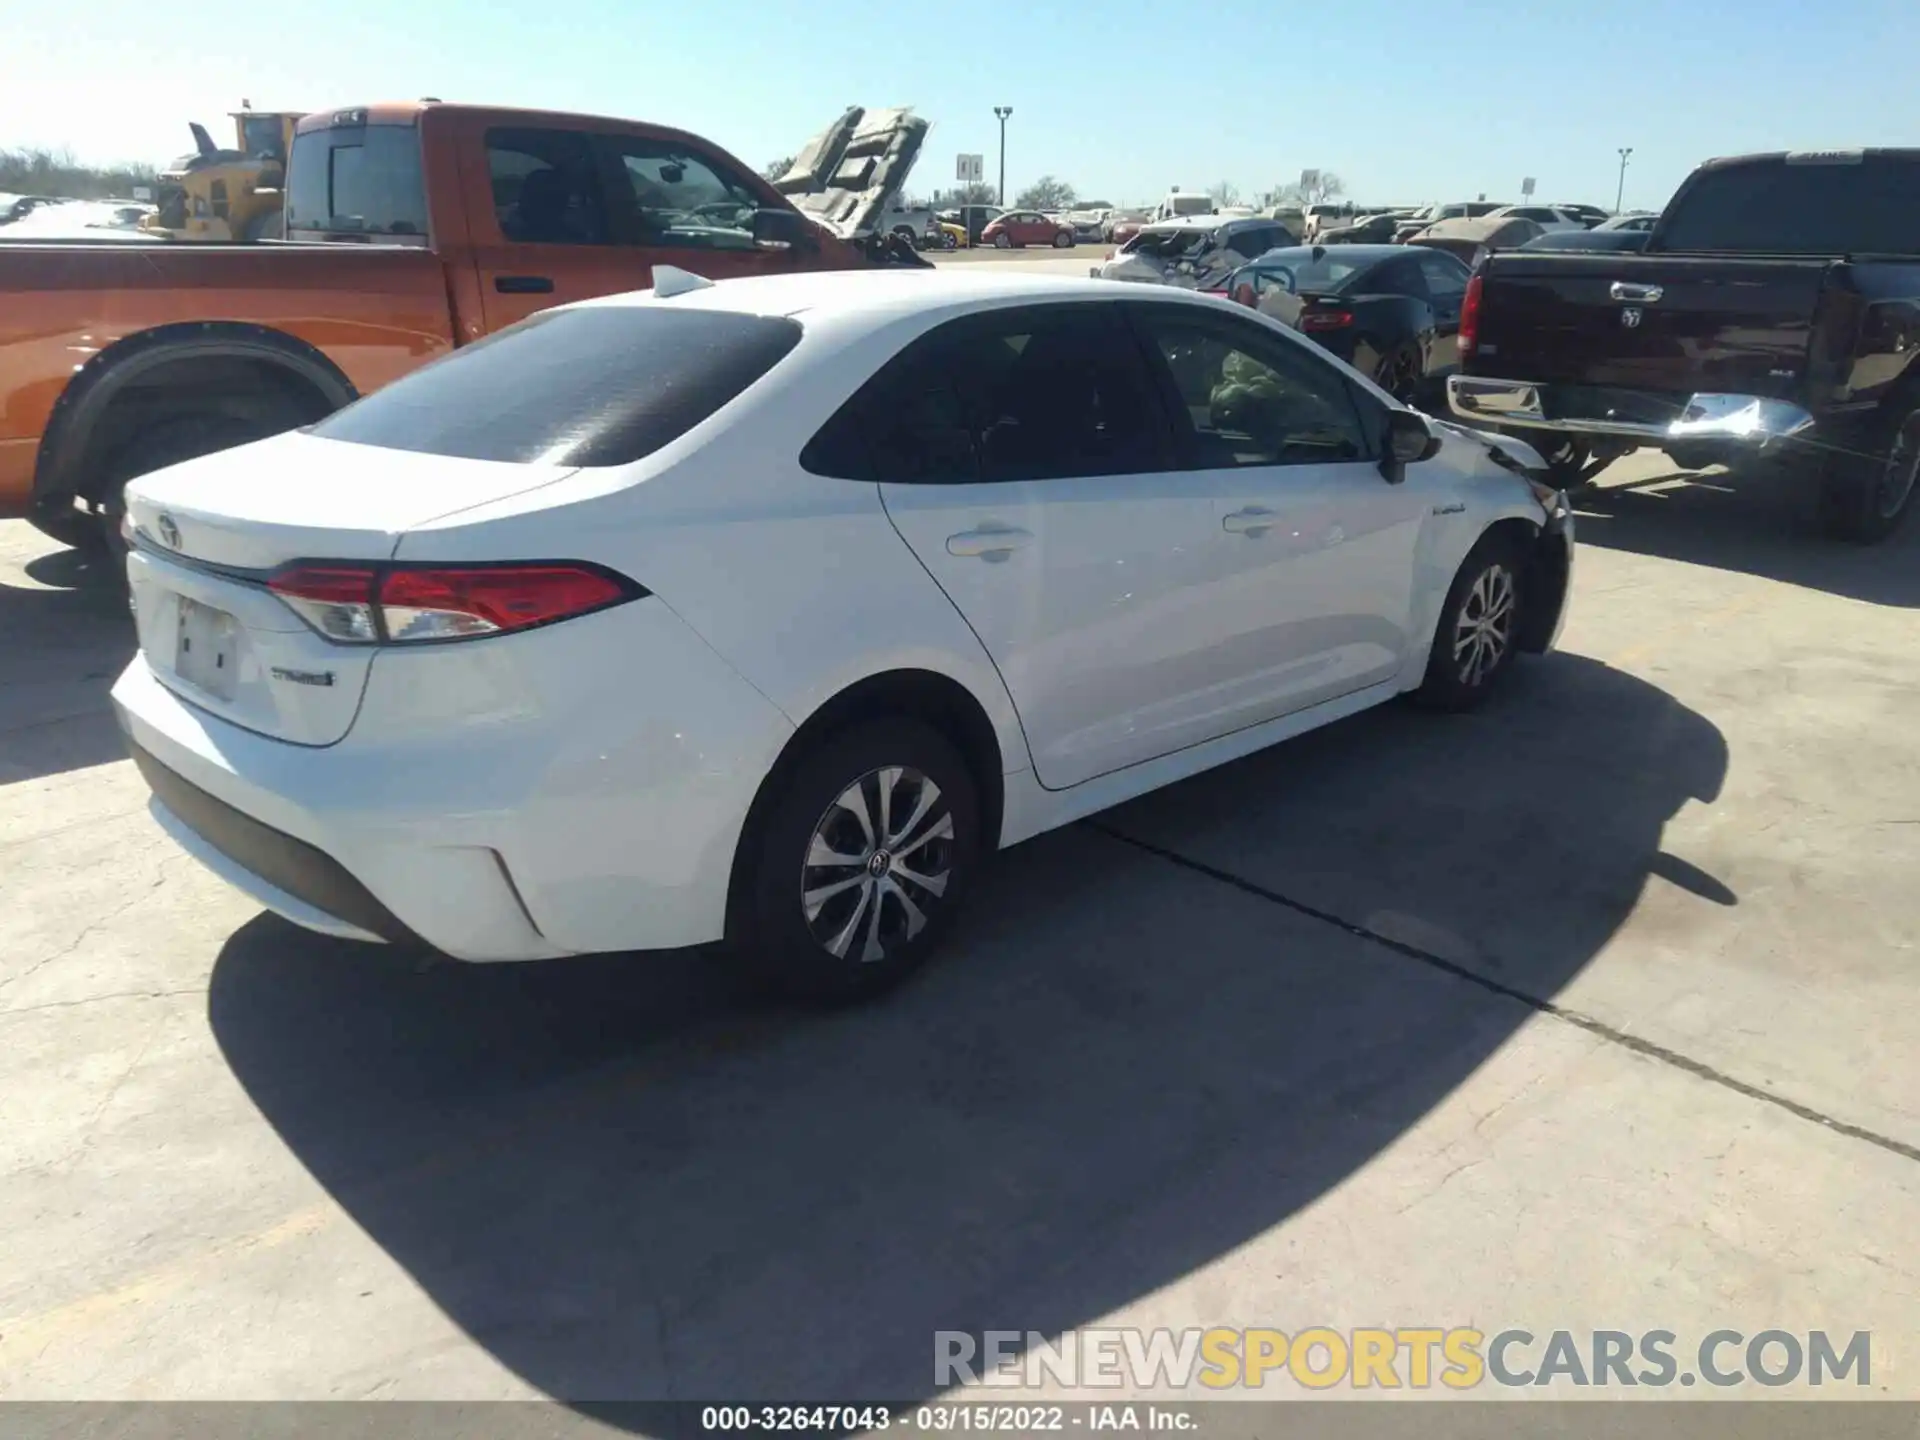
[[1027, 227]]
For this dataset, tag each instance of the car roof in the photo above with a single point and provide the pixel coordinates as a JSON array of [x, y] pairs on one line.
[[1363, 254], [885, 294]]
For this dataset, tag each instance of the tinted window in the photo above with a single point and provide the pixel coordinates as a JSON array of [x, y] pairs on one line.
[[1249, 397], [361, 179], [1446, 277], [546, 188], [1803, 209], [1395, 277], [598, 386], [1031, 394], [677, 198]]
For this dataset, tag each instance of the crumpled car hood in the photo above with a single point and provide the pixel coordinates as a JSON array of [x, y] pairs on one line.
[[847, 175]]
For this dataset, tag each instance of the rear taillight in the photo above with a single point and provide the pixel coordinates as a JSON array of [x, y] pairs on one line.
[[408, 604], [1470, 317], [1325, 319]]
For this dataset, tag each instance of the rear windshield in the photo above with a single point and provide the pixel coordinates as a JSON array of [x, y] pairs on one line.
[[1170, 244], [1870, 205], [1307, 276], [357, 180], [603, 385]]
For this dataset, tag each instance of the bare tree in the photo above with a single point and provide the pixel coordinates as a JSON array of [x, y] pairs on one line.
[[56, 172], [776, 169], [1046, 193], [1326, 186], [1224, 193]]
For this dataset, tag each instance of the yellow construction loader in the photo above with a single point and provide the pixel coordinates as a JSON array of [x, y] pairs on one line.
[[216, 194]]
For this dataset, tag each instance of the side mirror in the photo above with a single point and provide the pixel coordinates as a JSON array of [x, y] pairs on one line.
[[781, 230], [1409, 440]]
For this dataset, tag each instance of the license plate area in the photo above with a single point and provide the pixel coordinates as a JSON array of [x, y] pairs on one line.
[[204, 648]]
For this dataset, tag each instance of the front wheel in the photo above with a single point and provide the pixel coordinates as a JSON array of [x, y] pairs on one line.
[[1473, 643], [861, 861], [1063, 241], [1863, 498], [1003, 241]]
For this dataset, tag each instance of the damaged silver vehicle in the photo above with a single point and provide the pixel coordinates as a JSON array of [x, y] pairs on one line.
[[1195, 253], [850, 173]]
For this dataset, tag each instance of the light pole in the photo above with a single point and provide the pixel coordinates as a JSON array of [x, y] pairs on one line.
[[1001, 112], [1625, 151]]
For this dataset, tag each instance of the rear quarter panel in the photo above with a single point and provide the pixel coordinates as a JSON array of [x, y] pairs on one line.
[[375, 312]]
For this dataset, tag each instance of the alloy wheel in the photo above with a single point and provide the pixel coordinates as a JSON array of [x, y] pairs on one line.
[[1901, 470], [1483, 630], [879, 860]]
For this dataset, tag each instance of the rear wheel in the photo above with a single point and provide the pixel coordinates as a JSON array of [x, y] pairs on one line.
[[860, 862], [1399, 372], [1473, 643], [168, 442], [1863, 498]]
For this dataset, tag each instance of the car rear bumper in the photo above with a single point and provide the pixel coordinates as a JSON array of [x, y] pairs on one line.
[[1648, 417], [593, 807]]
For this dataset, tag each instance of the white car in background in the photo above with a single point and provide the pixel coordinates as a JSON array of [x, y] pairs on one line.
[[1197, 253], [767, 610], [1549, 219]]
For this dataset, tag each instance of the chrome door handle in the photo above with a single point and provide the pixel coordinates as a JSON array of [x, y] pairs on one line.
[[1251, 521], [1635, 294], [989, 542]]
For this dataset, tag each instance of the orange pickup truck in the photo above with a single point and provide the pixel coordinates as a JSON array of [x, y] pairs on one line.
[[410, 229]]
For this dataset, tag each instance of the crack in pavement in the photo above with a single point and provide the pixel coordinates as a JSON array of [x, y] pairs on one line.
[[1648, 1049]]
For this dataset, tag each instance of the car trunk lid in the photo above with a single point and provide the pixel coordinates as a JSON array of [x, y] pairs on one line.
[[207, 535], [1677, 324]]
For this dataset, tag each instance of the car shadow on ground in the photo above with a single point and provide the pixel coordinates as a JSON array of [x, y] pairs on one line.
[[63, 647], [1760, 523], [627, 1180]]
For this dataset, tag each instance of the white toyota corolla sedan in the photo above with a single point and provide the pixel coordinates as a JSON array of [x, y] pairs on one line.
[[763, 611]]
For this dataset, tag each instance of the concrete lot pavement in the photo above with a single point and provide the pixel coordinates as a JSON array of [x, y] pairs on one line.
[[1590, 1010]]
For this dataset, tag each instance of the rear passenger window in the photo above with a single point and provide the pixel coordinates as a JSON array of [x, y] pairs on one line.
[[546, 188], [1037, 393]]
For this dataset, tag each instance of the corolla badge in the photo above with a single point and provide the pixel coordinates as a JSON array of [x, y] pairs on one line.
[[1630, 317], [169, 532]]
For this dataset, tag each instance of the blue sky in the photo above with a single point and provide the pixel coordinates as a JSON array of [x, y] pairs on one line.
[[1409, 100]]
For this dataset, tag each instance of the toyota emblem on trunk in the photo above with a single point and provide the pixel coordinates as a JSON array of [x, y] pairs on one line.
[[1630, 317], [169, 532]]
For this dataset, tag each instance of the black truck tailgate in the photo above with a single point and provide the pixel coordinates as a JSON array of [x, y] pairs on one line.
[[1670, 323]]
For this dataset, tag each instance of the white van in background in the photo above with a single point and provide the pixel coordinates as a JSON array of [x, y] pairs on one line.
[[1180, 204]]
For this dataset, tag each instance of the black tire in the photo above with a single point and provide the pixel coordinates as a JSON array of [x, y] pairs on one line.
[[837, 954], [1865, 496], [168, 442], [1063, 242], [1567, 458], [1003, 241], [1459, 677]]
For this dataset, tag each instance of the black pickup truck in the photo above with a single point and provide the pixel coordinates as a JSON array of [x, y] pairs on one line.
[[1774, 314]]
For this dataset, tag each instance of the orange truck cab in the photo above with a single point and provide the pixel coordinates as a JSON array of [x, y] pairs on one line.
[[411, 229]]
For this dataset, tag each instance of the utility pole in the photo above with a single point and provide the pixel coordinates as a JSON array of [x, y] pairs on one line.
[[1002, 112], [1619, 194]]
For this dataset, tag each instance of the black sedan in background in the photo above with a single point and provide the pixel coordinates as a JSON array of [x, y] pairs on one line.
[[1390, 311], [1628, 241]]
